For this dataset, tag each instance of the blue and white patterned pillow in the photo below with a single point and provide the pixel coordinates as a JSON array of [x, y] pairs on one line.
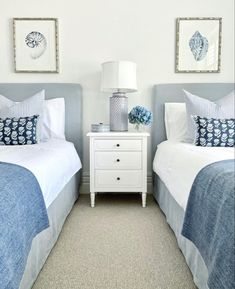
[[18, 130], [212, 132]]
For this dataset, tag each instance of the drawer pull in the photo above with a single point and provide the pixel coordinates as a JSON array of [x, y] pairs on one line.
[[118, 145], [118, 178], [118, 160]]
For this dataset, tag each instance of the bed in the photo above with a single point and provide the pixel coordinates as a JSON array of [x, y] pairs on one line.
[[60, 189], [172, 174]]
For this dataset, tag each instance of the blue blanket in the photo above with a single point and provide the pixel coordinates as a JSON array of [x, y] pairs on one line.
[[22, 216], [209, 222]]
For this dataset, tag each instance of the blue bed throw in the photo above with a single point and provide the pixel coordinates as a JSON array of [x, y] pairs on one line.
[[209, 222], [22, 216]]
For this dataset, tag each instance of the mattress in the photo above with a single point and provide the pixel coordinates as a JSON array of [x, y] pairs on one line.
[[177, 164], [53, 163]]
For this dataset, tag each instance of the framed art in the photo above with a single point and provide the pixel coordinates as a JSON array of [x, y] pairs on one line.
[[36, 45], [198, 44]]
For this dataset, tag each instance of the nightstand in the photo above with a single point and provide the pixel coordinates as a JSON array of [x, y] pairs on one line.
[[118, 163]]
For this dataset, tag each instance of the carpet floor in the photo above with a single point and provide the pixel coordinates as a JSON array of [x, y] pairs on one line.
[[116, 245]]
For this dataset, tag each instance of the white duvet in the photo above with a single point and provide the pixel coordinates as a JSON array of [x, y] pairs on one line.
[[177, 164], [53, 163]]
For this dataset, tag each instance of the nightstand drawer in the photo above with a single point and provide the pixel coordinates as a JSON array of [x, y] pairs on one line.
[[118, 179], [118, 160], [118, 144]]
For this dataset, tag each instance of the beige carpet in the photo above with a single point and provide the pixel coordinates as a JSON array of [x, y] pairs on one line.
[[116, 245]]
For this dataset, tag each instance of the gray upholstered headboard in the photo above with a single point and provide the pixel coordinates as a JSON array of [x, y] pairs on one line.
[[72, 93], [173, 93]]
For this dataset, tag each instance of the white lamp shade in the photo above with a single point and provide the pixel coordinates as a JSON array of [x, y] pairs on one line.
[[119, 76]]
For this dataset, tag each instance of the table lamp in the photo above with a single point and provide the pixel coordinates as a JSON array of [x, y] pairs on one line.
[[119, 77]]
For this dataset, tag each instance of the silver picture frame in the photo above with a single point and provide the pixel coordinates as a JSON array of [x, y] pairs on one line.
[[198, 45], [36, 45]]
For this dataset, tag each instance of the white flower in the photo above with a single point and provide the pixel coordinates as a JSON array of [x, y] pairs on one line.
[[210, 127]]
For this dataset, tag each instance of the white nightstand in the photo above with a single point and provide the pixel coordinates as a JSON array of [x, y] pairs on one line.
[[118, 163]]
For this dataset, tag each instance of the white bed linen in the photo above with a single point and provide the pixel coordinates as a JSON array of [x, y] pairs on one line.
[[177, 164], [53, 163]]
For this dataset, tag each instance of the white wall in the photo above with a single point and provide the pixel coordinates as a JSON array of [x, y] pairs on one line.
[[94, 31]]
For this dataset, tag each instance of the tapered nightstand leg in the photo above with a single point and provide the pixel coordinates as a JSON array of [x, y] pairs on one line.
[[144, 195], [92, 195]]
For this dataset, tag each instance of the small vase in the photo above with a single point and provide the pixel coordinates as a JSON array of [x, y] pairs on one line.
[[139, 127]]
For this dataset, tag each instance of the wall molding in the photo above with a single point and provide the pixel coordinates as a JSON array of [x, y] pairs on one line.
[[85, 184]]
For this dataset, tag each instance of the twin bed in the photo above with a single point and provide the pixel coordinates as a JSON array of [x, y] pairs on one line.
[[57, 167], [176, 165], [55, 164]]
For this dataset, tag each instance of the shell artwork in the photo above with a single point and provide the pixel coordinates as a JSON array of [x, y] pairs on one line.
[[198, 45], [37, 42]]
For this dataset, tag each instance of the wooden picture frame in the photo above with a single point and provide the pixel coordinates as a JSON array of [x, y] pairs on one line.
[[198, 45], [36, 45]]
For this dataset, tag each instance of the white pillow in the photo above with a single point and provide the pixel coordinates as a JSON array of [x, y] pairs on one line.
[[53, 125], [53, 116], [28, 107], [176, 121], [195, 105]]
